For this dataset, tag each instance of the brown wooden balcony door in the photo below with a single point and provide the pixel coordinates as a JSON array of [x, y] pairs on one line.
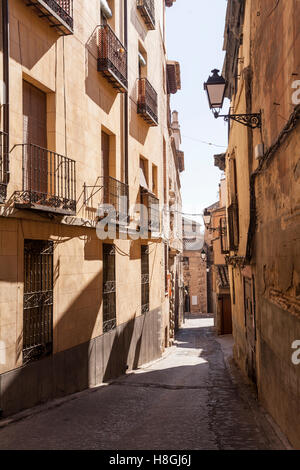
[[105, 154], [35, 132]]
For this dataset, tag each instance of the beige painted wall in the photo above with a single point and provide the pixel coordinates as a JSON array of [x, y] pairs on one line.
[[81, 103]]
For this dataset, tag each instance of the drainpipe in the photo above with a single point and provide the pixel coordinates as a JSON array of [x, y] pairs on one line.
[[126, 107], [6, 53]]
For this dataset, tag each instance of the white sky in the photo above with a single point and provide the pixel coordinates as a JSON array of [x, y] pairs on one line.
[[195, 31]]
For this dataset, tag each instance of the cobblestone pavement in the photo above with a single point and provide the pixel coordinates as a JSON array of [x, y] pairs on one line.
[[186, 400]]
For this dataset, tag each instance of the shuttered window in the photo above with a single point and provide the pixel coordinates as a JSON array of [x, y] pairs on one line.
[[109, 288], [35, 132]]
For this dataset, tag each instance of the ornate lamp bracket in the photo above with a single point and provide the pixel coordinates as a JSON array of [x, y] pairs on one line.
[[253, 121]]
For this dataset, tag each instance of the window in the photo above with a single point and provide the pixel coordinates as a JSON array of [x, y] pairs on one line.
[[109, 288], [154, 180], [144, 173], [107, 12], [233, 224], [145, 278], [142, 57], [186, 262], [233, 209], [38, 300], [223, 235]]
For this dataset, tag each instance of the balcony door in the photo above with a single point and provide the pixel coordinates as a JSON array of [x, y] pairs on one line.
[[35, 139], [105, 154]]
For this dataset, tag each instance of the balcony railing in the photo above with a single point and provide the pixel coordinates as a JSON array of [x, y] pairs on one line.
[[151, 216], [49, 181], [59, 13], [147, 10], [112, 58], [109, 192], [3, 166], [147, 102]]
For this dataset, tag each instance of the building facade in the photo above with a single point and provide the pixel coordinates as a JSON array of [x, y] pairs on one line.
[[262, 171], [216, 248], [194, 268], [85, 141], [173, 212]]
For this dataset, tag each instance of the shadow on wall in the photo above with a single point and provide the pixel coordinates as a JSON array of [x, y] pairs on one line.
[[96, 86], [138, 22], [88, 363], [30, 48], [201, 379], [138, 128]]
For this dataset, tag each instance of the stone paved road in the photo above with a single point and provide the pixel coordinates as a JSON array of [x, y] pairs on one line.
[[187, 400]]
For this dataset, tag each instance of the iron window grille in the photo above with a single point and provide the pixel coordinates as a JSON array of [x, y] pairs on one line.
[[109, 288], [4, 172], [38, 300], [49, 181], [59, 13], [233, 225], [145, 279], [147, 10], [147, 102], [112, 58]]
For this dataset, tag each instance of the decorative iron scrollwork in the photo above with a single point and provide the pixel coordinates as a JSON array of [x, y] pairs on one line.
[[250, 120], [109, 325]]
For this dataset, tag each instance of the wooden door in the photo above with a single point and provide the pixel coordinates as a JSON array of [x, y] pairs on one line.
[[226, 315], [105, 166], [105, 154], [35, 136]]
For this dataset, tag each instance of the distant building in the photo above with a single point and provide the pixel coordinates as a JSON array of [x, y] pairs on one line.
[[194, 268], [216, 249]]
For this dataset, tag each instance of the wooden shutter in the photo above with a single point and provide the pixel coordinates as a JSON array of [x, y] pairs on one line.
[[34, 115], [35, 138], [105, 154]]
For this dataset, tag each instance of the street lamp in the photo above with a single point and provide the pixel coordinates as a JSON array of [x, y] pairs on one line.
[[203, 255], [206, 218], [215, 88]]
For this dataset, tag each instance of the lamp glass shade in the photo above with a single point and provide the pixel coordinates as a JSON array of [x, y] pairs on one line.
[[207, 219], [215, 89]]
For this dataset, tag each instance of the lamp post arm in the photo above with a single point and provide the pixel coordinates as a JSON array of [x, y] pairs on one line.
[[253, 120]]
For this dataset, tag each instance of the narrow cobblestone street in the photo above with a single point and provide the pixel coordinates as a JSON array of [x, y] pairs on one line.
[[187, 400]]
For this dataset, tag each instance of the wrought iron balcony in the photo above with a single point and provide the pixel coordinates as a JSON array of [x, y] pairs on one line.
[[147, 102], [112, 58], [49, 181], [147, 10], [108, 191], [151, 217], [3, 166], [59, 13]]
